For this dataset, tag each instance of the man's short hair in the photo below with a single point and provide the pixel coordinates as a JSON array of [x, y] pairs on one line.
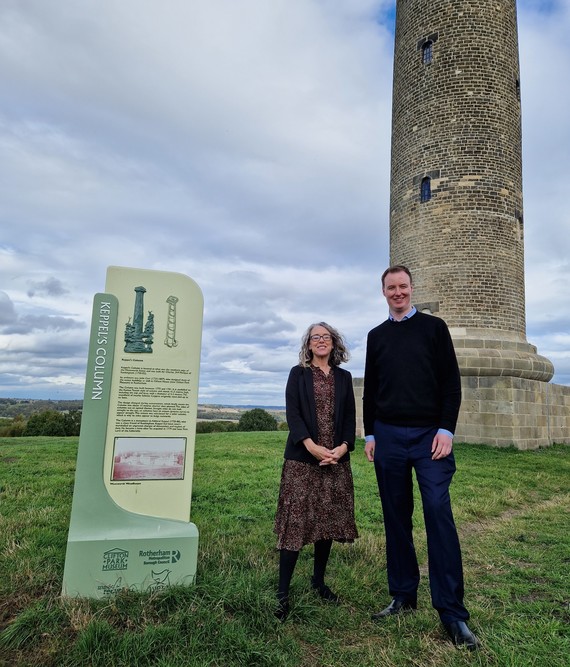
[[397, 268]]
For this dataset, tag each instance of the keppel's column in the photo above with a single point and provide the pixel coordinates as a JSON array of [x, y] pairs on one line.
[[456, 205]]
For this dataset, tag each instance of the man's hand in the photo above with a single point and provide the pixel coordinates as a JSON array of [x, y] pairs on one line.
[[441, 446], [369, 448]]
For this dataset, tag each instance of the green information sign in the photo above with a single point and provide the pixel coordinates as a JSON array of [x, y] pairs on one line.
[[130, 520]]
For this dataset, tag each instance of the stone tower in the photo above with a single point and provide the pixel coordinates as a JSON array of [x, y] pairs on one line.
[[456, 207]]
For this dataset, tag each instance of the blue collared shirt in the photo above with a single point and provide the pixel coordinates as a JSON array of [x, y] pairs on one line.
[[407, 316]]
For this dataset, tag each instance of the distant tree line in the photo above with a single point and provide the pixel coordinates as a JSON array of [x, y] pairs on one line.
[[56, 423], [26, 407], [256, 419], [48, 422]]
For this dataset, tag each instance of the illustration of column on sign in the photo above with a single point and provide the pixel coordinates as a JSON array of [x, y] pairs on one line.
[[170, 340]]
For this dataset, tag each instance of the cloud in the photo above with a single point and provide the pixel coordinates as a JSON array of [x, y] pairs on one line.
[[31, 323], [7, 310], [50, 287]]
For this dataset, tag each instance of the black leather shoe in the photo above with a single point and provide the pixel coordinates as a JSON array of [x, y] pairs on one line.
[[461, 635], [394, 608], [324, 591]]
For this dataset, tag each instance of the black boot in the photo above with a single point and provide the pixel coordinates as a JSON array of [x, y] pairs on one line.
[[287, 562], [324, 591], [282, 610], [322, 552]]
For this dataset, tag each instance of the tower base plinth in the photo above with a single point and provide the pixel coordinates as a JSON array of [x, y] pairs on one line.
[[505, 411], [488, 352], [512, 411]]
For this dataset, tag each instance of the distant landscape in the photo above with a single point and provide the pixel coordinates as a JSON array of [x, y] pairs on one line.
[[12, 407]]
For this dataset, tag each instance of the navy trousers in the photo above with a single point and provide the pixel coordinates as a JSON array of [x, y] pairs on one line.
[[399, 449]]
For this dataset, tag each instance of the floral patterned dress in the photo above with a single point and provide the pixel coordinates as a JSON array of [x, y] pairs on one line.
[[316, 502]]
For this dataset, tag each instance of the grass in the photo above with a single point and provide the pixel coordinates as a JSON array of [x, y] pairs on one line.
[[513, 514]]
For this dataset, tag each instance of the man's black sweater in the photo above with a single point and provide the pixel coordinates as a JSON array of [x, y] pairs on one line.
[[411, 376]]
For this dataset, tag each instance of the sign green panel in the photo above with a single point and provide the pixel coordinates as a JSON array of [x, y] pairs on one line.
[[130, 521]]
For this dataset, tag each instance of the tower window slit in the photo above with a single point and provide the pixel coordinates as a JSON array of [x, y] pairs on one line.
[[425, 190]]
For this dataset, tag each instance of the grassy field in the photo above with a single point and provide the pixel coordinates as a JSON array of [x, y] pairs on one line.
[[513, 514]]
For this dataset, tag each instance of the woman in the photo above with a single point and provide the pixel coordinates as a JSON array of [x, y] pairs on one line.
[[316, 497]]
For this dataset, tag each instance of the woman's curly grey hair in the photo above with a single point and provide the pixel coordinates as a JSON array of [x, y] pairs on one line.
[[339, 354]]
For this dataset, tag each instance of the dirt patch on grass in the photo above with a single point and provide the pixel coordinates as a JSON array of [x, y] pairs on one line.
[[474, 528]]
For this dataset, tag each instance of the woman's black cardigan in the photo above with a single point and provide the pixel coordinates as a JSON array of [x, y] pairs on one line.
[[302, 412]]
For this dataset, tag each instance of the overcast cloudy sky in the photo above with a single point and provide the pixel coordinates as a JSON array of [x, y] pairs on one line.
[[245, 143]]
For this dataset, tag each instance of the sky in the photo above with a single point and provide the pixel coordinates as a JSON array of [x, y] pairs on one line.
[[246, 144]]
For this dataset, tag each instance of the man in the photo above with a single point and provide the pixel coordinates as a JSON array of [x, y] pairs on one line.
[[412, 394]]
